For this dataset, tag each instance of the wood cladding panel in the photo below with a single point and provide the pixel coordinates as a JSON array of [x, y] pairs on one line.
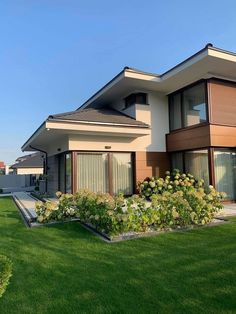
[[223, 136], [191, 138], [151, 164], [222, 102]]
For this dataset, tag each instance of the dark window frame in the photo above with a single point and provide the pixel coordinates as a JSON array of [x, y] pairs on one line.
[[209, 156], [181, 91], [110, 168], [74, 169], [132, 99]]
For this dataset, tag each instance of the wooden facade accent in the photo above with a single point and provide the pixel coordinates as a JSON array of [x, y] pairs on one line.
[[222, 102], [223, 136], [151, 164], [188, 138]]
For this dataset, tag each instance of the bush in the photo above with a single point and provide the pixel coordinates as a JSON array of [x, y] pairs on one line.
[[181, 199], [114, 215], [173, 182], [178, 200], [52, 211], [5, 273], [185, 209], [1, 190]]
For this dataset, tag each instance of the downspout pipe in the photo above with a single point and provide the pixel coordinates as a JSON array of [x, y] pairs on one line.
[[45, 168]]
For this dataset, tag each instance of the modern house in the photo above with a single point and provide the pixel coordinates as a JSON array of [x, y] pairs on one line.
[[141, 124]]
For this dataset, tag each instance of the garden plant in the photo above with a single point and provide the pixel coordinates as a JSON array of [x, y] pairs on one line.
[[178, 200]]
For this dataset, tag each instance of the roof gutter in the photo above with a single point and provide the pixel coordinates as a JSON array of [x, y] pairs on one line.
[[41, 125], [99, 123]]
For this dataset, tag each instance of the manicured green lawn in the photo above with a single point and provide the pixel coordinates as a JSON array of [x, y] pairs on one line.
[[66, 269]]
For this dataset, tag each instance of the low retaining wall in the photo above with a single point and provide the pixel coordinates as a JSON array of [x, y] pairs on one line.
[[15, 183]]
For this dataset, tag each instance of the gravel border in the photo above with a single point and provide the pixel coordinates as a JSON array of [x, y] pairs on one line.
[[135, 235]]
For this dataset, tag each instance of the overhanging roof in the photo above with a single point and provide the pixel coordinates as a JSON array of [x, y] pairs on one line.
[[206, 63], [90, 121], [102, 115]]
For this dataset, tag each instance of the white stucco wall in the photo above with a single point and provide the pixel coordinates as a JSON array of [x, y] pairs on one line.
[[95, 137], [155, 114], [30, 171]]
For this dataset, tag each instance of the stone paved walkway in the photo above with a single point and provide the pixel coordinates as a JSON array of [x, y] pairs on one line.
[[228, 210], [26, 204]]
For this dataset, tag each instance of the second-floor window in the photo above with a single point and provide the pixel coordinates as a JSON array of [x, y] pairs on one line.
[[137, 98], [188, 107]]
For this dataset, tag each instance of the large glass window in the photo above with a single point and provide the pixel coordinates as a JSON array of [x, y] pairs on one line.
[[194, 162], [93, 172], [188, 107], [225, 172], [122, 173], [105, 172], [68, 173], [177, 161], [194, 106], [175, 112]]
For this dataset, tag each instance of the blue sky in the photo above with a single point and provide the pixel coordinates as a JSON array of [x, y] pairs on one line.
[[54, 54]]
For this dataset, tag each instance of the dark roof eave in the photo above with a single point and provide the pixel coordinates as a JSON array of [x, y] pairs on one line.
[[100, 123], [26, 143]]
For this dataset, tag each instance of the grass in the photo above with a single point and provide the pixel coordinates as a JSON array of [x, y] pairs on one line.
[[66, 269]]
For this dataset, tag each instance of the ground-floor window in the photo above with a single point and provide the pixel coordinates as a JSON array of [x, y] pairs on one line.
[[225, 171], [122, 173], [223, 167], [68, 172], [105, 172], [92, 172], [194, 162]]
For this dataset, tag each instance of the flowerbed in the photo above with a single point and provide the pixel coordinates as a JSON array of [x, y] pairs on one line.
[[5, 273], [178, 200], [52, 211]]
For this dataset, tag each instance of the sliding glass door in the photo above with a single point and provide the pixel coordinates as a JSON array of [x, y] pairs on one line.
[[105, 172], [225, 172]]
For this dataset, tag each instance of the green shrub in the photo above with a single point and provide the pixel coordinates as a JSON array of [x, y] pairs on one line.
[[52, 211], [1, 190], [5, 273], [181, 199], [178, 200], [117, 215], [173, 182], [186, 208]]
